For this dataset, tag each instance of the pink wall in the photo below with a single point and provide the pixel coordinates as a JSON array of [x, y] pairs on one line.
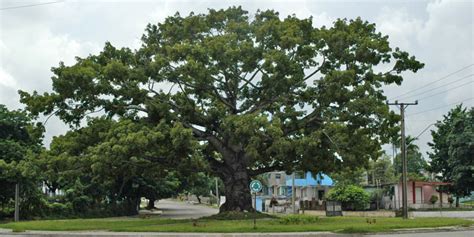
[[426, 192]]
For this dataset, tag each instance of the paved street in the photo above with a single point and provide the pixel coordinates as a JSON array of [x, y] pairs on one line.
[[468, 233], [182, 210]]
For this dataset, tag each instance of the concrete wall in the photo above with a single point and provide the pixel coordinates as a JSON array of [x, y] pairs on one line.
[[356, 213]]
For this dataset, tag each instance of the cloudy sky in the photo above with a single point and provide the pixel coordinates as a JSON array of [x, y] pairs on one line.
[[439, 33]]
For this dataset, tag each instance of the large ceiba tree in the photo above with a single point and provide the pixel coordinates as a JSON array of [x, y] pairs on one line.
[[260, 92]]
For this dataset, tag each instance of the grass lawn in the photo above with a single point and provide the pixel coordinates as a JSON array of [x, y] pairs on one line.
[[469, 203], [334, 224]]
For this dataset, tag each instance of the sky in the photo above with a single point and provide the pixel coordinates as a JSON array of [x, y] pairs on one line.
[[439, 33]]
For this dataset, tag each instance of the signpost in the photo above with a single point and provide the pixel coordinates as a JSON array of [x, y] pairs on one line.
[[255, 187]]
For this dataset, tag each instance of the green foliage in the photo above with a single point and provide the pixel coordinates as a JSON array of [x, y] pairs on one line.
[[352, 197], [261, 92], [199, 184], [348, 176], [450, 200], [298, 219], [416, 164], [381, 170], [433, 199], [107, 166], [453, 150], [20, 141]]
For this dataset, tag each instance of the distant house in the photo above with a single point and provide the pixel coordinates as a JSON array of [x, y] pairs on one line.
[[419, 194], [307, 188]]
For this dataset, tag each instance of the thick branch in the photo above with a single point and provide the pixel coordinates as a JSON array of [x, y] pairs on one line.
[[136, 107], [316, 71], [249, 81], [261, 105]]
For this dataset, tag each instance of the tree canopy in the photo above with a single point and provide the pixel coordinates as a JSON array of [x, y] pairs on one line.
[[453, 150], [20, 140], [416, 164], [113, 164], [260, 92]]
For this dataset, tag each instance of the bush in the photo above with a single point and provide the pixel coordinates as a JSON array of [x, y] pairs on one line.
[[298, 219], [59, 209], [352, 197], [450, 200], [433, 199]]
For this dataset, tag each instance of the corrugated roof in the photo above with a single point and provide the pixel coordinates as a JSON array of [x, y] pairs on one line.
[[310, 180]]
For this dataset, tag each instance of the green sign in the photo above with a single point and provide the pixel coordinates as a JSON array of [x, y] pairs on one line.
[[255, 186]]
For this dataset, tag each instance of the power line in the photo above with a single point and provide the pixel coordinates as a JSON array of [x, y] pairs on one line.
[[441, 92], [29, 5], [442, 78], [440, 107], [441, 86]]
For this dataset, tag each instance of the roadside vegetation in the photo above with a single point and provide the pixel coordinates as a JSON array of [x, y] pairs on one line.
[[292, 223]]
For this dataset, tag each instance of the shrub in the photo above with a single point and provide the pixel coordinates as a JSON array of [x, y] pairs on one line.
[[352, 197], [59, 209], [433, 199], [298, 219], [450, 200]]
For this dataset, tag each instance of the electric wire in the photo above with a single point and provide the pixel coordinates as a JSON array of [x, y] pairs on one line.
[[441, 86], [440, 79], [441, 92], [424, 111], [29, 5]]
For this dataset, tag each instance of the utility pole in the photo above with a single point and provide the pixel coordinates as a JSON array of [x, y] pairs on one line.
[[293, 194], [402, 107], [17, 202]]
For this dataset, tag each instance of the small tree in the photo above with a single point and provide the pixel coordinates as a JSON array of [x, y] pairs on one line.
[[450, 200], [433, 199], [352, 197]]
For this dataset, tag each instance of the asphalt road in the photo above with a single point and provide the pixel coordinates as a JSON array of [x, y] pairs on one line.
[[183, 210], [467, 233]]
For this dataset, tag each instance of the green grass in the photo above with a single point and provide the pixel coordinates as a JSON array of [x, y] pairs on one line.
[[469, 203], [334, 224]]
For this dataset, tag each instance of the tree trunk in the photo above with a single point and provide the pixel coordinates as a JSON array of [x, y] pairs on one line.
[[199, 199], [237, 192], [457, 201], [151, 204]]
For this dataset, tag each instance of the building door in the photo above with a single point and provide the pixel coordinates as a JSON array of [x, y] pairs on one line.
[[320, 194], [418, 195]]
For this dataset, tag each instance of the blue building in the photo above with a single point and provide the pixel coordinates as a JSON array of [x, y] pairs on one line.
[[308, 186]]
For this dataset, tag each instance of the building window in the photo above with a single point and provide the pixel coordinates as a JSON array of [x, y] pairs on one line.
[[277, 176], [281, 191]]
